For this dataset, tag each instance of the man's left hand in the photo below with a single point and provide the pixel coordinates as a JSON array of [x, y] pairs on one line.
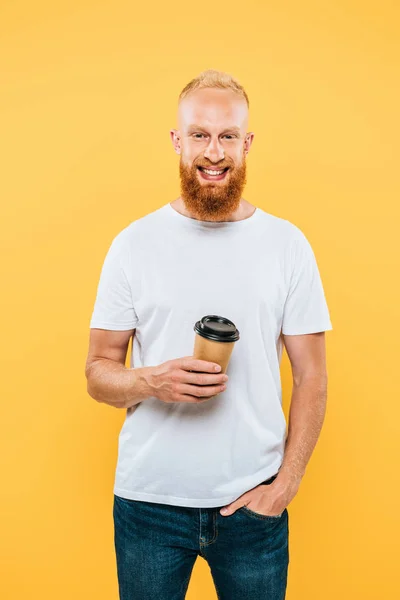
[[268, 499]]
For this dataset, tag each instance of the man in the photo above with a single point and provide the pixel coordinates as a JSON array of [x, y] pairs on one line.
[[196, 441]]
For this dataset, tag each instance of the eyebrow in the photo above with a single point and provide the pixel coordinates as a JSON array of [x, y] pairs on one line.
[[195, 127]]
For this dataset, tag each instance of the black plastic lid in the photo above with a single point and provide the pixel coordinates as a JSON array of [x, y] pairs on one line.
[[217, 328]]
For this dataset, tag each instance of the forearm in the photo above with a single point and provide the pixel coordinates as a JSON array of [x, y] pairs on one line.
[[306, 416], [112, 383]]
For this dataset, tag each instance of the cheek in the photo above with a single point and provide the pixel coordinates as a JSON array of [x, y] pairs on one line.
[[236, 157], [186, 160], [191, 156]]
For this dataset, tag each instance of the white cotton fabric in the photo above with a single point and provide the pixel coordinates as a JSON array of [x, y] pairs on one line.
[[161, 274]]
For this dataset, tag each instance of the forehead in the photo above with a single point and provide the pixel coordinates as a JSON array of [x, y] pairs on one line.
[[214, 109]]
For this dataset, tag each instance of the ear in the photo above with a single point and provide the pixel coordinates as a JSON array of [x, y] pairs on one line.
[[176, 140], [248, 141]]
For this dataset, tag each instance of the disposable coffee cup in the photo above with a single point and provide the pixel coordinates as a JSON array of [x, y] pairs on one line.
[[214, 340]]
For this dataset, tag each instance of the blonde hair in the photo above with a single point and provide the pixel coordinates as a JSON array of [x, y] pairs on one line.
[[214, 79]]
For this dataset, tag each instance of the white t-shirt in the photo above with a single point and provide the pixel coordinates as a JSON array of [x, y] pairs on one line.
[[164, 272]]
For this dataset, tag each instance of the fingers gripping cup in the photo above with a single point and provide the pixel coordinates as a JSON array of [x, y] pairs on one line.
[[214, 340]]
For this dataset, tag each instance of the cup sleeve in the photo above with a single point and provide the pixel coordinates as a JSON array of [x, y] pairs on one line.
[[113, 307], [305, 309]]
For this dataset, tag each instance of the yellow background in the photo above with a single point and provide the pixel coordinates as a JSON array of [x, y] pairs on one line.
[[88, 94]]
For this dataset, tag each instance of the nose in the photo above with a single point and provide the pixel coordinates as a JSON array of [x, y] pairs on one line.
[[214, 151]]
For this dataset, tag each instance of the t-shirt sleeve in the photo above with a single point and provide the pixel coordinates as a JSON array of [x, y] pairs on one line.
[[113, 307], [305, 309]]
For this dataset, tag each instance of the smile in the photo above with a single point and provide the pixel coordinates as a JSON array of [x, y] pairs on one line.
[[212, 174]]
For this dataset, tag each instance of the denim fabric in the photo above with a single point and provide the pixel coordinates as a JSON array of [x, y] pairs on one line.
[[157, 545]]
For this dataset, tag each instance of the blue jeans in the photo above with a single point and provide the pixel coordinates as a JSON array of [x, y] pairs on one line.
[[157, 545]]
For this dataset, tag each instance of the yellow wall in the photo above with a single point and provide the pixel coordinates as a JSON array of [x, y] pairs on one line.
[[88, 94]]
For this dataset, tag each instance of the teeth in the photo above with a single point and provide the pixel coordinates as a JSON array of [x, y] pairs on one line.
[[209, 172]]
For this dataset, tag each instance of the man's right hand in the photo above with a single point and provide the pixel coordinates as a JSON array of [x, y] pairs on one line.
[[186, 379]]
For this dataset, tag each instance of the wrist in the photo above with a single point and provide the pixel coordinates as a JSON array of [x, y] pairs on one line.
[[147, 385], [139, 386], [289, 476]]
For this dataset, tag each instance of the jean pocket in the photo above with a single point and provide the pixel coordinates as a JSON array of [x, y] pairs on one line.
[[259, 515]]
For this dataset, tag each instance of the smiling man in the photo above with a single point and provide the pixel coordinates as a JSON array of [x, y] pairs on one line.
[[205, 467], [213, 144]]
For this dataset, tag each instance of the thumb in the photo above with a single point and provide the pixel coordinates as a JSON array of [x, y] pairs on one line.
[[226, 510]]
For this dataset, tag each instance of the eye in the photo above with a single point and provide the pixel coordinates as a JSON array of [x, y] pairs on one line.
[[228, 135]]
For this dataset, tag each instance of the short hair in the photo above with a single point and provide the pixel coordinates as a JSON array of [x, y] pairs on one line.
[[214, 79]]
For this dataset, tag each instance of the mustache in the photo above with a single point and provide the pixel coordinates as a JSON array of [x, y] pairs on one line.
[[213, 166]]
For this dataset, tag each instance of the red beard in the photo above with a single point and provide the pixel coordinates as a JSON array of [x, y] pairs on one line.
[[212, 200]]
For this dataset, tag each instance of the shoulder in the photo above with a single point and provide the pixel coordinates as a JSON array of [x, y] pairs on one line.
[[283, 229], [137, 232]]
